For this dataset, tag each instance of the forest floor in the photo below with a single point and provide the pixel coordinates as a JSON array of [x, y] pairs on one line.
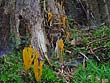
[[86, 60]]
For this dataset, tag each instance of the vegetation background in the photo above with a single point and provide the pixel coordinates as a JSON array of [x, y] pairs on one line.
[[71, 38]]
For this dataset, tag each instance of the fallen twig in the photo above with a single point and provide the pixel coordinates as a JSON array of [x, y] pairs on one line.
[[84, 55], [91, 51]]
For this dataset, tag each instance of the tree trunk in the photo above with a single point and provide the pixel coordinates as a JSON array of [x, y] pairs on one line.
[[23, 15], [30, 10], [103, 10], [7, 25], [107, 11], [93, 6]]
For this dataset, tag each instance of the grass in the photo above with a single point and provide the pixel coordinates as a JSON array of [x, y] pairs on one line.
[[10, 68], [93, 73], [12, 71]]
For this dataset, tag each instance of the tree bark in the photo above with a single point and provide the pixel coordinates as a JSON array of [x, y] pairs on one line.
[[104, 11], [31, 11]]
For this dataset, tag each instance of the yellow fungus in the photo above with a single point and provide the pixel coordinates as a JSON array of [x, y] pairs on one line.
[[36, 68], [63, 20], [30, 54], [40, 68], [49, 16], [60, 45], [67, 35], [27, 57], [35, 53]]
